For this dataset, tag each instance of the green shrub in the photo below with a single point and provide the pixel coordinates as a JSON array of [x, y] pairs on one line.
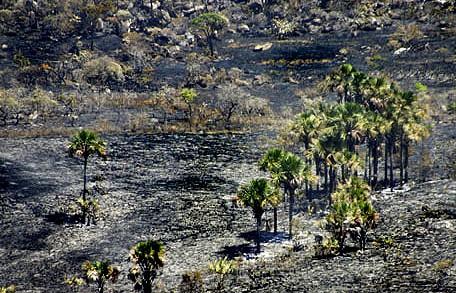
[[147, 259], [222, 267], [451, 108], [443, 265], [351, 212], [9, 289]]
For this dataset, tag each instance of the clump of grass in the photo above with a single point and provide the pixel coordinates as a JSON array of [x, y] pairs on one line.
[[443, 265], [451, 108]]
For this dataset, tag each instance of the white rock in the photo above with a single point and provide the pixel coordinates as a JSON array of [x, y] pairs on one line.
[[401, 50], [243, 28], [262, 47]]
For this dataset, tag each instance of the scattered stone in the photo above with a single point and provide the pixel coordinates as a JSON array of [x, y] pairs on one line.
[[262, 47], [243, 28], [401, 51]]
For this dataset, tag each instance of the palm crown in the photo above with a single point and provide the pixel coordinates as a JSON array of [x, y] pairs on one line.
[[85, 144]]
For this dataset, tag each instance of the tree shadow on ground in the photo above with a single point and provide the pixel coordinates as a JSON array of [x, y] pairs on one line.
[[15, 180], [266, 236], [26, 238], [232, 251], [61, 218], [249, 248], [191, 182]]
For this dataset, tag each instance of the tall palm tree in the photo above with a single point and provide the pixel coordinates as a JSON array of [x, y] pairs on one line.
[[256, 194], [375, 128], [308, 126], [346, 117], [147, 258], [271, 162], [341, 82], [293, 172], [100, 272], [85, 144], [288, 171]]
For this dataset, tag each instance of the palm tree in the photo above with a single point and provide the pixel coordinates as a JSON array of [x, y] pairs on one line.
[[293, 172], [256, 194], [308, 126], [85, 144], [341, 82], [147, 258], [351, 208], [271, 162], [374, 127], [100, 272], [346, 118], [288, 171]]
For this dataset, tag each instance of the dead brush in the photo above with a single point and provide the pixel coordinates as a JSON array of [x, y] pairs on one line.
[[405, 35]]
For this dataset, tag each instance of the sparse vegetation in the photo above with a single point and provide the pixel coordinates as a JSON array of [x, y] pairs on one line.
[[328, 154], [351, 213], [222, 268], [256, 195], [192, 282], [98, 272], [147, 259], [210, 24], [9, 289], [405, 35], [84, 145]]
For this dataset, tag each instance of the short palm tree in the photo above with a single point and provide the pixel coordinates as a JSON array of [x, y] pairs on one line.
[[256, 194], [100, 272], [147, 258], [85, 144], [351, 208]]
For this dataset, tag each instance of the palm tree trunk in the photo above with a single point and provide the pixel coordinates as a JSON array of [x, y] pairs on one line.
[[386, 162], [341, 240], [391, 167], [147, 282], [401, 158], [331, 178], [366, 164], [275, 219], [258, 236], [84, 190], [317, 172], [326, 178], [375, 163], [210, 44], [290, 213], [100, 285], [406, 159]]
